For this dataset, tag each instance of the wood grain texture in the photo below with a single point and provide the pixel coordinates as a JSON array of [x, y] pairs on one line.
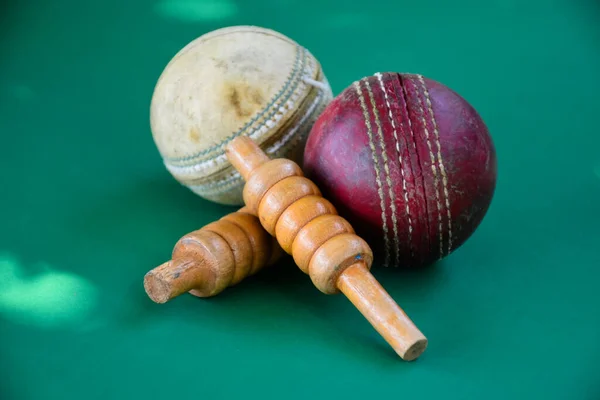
[[219, 255], [363, 290], [281, 196], [314, 234], [323, 244], [255, 189], [297, 215]]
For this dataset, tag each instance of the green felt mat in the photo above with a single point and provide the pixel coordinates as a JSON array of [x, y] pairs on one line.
[[86, 208]]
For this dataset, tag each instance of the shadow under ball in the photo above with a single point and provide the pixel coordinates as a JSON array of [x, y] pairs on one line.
[[409, 163]]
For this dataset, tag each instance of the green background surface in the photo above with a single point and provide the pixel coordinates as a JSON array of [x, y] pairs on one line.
[[87, 208]]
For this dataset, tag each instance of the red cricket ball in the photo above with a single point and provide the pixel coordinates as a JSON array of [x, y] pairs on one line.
[[408, 162]]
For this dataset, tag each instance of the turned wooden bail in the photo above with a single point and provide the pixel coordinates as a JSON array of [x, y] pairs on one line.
[[219, 255], [323, 244], [245, 159]]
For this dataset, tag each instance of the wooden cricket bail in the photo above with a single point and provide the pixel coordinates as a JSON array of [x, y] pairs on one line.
[[207, 261], [322, 243]]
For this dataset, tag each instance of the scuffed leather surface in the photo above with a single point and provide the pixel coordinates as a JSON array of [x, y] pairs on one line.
[[442, 213]]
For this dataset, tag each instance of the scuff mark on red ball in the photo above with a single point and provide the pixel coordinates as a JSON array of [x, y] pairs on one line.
[[408, 162]]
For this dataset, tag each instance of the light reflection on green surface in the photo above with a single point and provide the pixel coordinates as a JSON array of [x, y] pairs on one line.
[[49, 299], [197, 10]]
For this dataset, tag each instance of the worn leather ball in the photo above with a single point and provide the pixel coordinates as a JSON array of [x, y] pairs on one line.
[[234, 81], [408, 162]]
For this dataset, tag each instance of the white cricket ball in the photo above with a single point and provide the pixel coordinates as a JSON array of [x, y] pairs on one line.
[[240, 80]]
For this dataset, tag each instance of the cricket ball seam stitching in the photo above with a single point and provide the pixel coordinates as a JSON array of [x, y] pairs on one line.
[[440, 161], [376, 167], [204, 164], [397, 142], [413, 141], [273, 106], [386, 168], [234, 177], [433, 168]]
